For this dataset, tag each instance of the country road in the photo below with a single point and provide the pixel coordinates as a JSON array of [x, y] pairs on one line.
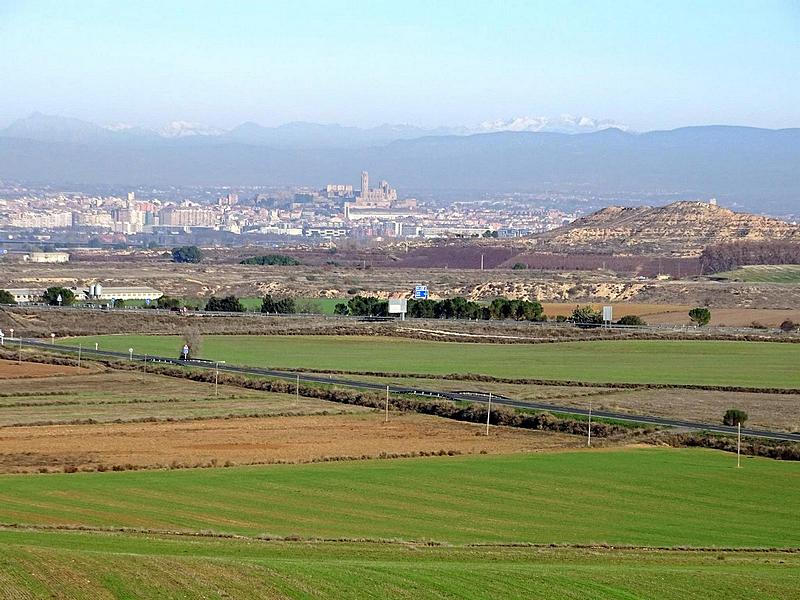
[[466, 396]]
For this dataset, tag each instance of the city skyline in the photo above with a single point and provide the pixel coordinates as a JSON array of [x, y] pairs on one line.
[[453, 64]]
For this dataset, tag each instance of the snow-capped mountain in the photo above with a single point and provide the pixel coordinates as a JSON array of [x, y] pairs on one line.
[[176, 129], [290, 135], [562, 124]]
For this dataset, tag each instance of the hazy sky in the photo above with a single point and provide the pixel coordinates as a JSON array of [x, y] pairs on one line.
[[647, 63]]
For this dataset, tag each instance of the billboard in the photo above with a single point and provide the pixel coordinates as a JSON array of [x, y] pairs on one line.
[[397, 306], [608, 314]]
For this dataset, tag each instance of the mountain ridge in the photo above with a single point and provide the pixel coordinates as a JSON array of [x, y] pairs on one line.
[[751, 168], [681, 228]]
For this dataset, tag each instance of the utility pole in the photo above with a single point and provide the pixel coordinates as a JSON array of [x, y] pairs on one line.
[[386, 418], [79, 356], [488, 413], [19, 356], [739, 445], [144, 364], [481, 262], [297, 389], [589, 440], [216, 376]]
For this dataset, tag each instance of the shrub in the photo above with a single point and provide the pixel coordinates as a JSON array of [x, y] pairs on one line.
[[586, 315], [519, 266], [787, 326], [272, 259], [168, 302], [282, 306], [700, 316], [51, 295], [632, 320], [226, 304], [734, 416], [6, 297], [187, 254]]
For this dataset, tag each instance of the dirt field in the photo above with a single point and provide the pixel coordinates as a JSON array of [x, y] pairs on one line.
[[771, 411], [730, 317], [264, 440], [554, 309], [12, 370], [118, 396]]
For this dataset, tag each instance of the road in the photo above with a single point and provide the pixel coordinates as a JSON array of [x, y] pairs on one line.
[[466, 395]]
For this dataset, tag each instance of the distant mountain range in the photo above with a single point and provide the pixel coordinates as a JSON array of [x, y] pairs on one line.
[[754, 169], [49, 128]]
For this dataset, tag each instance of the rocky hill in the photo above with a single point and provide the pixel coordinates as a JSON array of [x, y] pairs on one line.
[[678, 229]]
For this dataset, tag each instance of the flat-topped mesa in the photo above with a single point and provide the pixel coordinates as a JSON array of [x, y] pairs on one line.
[[678, 229]]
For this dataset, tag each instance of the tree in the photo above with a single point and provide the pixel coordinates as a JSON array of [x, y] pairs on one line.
[[7, 297], [118, 303], [734, 416], [194, 339], [187, 254], [226, 304], [341, 309], [367, 307], [700, 316], [787, 325], [168, 302], [633, 320], [519, 266], [51, 295], [282, 306], [586, 315]]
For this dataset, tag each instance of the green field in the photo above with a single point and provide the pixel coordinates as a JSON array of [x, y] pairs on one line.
[[445, 524], [763, 274], [84, 565], [649, 497], [749, 364]]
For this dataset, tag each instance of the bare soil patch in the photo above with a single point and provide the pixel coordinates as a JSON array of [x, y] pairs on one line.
[[118, 396], [260, 440], [12, 370], [730, 317], [780, 412]]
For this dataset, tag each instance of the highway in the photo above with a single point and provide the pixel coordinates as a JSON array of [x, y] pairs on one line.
[[465, 395]]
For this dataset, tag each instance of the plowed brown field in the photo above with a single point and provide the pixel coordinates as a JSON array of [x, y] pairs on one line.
[[12, 370], [256, 440]]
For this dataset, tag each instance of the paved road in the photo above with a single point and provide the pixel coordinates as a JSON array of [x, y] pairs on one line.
[[466, 395]]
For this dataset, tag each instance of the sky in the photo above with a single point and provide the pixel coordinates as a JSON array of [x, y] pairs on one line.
[[649, 64]]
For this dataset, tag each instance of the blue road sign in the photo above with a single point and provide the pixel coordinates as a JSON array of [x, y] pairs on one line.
[[147, 301], [420, 292]]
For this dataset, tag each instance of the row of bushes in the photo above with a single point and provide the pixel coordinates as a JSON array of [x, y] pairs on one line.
[[750, 446], [473, 413], [449, 308]]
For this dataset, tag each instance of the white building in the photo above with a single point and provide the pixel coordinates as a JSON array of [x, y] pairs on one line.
[[47, 257]]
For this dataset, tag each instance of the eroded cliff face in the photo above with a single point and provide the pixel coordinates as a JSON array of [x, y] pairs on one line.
[[679, 229]]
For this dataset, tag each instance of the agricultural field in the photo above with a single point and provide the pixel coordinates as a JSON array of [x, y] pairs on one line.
[[120, 396], [779, 412], [89, 565], [723, 363], [242, 441], [680, 498], [763, 274]]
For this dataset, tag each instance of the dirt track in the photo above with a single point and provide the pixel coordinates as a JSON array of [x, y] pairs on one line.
[[248, 441]]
